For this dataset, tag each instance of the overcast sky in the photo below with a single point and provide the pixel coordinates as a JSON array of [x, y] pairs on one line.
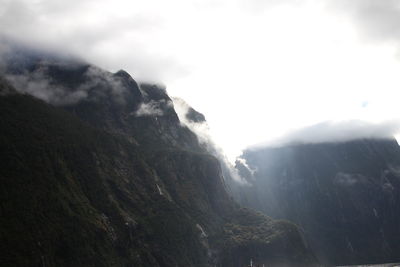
[[257, 69]]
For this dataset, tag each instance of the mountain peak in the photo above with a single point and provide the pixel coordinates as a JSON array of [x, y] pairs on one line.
[[123, 74]]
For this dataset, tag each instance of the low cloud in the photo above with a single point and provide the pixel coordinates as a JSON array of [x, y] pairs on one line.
[[378, 20], [151, 108], [243, 162], [105, 83], [41, 86], [112, 35], [37, 73], [167, 43], [341, 131], [202, 130]]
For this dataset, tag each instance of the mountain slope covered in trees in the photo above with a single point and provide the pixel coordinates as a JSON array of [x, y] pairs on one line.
[[100, 172], [346, 196]]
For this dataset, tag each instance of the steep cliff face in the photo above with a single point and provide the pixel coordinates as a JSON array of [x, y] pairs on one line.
[[346, 196], [106, 175]]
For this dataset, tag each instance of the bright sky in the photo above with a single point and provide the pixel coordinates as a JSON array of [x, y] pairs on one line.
[[256, 69], [255, 81]]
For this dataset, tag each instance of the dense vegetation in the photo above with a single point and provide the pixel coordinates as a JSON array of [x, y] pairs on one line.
[[92, 184], [346, 196]]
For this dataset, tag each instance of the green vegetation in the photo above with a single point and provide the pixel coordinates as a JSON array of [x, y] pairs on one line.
[[81, 189]]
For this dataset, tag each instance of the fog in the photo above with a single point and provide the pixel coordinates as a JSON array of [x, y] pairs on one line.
[[340, 131], [258, 70]]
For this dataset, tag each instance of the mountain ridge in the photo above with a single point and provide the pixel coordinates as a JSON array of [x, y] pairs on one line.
[[343, 194], [95, 182]]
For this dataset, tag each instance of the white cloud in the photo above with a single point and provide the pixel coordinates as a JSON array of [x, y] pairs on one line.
[[151, 108], [40, 87], [377, 20], [257, 69], [38, 83], [338, 131], [202, 131]]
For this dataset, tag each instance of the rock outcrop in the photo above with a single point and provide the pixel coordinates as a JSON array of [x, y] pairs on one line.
[[99, 171]]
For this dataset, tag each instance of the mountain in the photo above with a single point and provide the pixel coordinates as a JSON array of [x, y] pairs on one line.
[[99, 171], [345, 196]]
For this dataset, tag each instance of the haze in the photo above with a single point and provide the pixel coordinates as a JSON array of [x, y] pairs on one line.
[[257, 69]]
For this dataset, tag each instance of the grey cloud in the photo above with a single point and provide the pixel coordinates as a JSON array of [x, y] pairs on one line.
[[40, 87], [338, 132], [104, 82], [243, 162], [112, 41], [151, 108], [40, 84], [116, 41], [378, 20]]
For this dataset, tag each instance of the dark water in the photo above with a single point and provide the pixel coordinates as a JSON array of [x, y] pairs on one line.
[[376, 265]]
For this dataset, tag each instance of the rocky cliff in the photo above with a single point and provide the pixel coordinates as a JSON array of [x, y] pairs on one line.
[[345, 196], [98, 171]]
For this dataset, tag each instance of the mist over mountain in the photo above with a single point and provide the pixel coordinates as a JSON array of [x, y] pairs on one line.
[[344, 195], [335, 132], [98, 170], [117, 168], [212, 133]]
